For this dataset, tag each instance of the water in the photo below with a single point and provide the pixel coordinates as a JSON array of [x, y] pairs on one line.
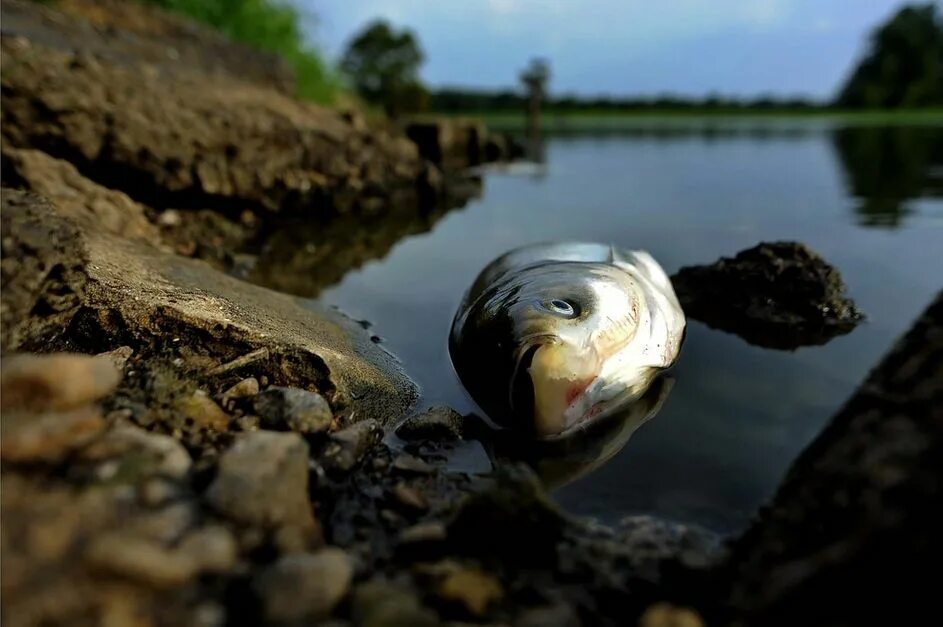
[[868, 199]]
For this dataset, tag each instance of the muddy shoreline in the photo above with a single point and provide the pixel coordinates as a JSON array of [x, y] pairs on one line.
[[184, 443]]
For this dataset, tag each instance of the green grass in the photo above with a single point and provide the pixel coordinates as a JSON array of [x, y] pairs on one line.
[[268, 25], [608, 120]]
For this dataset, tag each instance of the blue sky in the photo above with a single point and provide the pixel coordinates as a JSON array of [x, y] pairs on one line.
[[625, 47]]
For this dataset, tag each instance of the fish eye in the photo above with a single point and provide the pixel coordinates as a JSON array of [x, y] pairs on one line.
[[560, 307]]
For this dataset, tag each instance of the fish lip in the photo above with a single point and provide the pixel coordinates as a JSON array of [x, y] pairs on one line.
[[525, 355]]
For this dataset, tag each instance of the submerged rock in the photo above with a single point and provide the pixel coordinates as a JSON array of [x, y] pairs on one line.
[[777, 295]]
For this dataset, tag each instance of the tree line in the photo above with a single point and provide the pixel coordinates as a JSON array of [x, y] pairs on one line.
[[902, 68]]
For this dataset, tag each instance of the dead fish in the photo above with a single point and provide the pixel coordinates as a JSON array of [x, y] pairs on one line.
[[552, 337]]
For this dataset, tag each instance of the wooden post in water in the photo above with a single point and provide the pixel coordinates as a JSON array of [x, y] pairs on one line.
[[535, 79]]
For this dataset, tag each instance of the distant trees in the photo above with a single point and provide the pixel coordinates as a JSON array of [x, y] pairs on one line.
[[535, 78], [383, 67], [904, 66]]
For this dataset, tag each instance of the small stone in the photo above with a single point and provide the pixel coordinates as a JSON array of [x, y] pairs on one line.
[[170, 217], [293, 409], [213, 548], [55, 382], [349, 446], [556, 615], [441, 424], [472, 588], [412, 465], [141, 560], [204, 411], [165, 525], [157, 491], [47, 437], [305, 586], [410, 497], [381, 603], [263, 480], [666, 615], [141, 454], [119, 357], [243, 389], [429, 531]]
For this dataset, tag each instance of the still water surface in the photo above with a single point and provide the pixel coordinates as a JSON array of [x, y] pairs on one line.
[[868, 199]]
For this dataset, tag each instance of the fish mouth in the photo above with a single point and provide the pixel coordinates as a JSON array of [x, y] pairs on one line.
[[521, 389]]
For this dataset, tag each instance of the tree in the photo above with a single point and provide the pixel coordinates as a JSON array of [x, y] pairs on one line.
[[904, 66], [383, 65], [535, 79]]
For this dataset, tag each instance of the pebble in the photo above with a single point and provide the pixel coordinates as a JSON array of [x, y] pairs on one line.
[[243, 389], [437, 423], [55, 382], [47, 437], [472, 588], [429, 531], [293, 409], [304, 586], [140, 559], [409, 464], [666, 615], [263, 480], [204, 411], [348, 446], [410, 497], [153, 454], [380, 603], [213, 548]]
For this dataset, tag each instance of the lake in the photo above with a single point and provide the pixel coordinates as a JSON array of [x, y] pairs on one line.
[[869, 199]]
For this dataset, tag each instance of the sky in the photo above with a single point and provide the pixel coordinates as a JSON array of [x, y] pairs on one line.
[[624, 47]]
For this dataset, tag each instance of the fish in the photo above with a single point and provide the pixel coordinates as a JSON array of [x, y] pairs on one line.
[[552, 337]]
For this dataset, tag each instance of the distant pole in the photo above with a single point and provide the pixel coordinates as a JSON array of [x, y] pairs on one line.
[[535, 79]]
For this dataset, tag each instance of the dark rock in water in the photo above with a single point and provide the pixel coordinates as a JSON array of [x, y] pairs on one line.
[[293, 409], [304, 586], [263, 481], [777, 295], [852, 536], [436, 423], [411, 465]]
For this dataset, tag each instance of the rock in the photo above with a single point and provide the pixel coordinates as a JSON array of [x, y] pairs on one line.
[[381, 603], [650, 542], [851, 528], [119, 357], [511, 516], [212, 548], [141, 560], [263, 481], [777, 295], [76, 197], [128, 294], [665, 615], [203, 411], [293, 409], [555, 615], [409, 464], [55, 382], [473, 589], [424, 532], [243, 389], [452, 143], [349, 446], [436, 423], [137, 454], [304, 586], [47, 437], [410, 497]]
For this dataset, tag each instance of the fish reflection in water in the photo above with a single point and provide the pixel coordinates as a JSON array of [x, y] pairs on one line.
[[561, 461]]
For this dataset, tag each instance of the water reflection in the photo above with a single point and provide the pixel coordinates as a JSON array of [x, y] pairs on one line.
[[559, 462], [886, 167], [304, 257]]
